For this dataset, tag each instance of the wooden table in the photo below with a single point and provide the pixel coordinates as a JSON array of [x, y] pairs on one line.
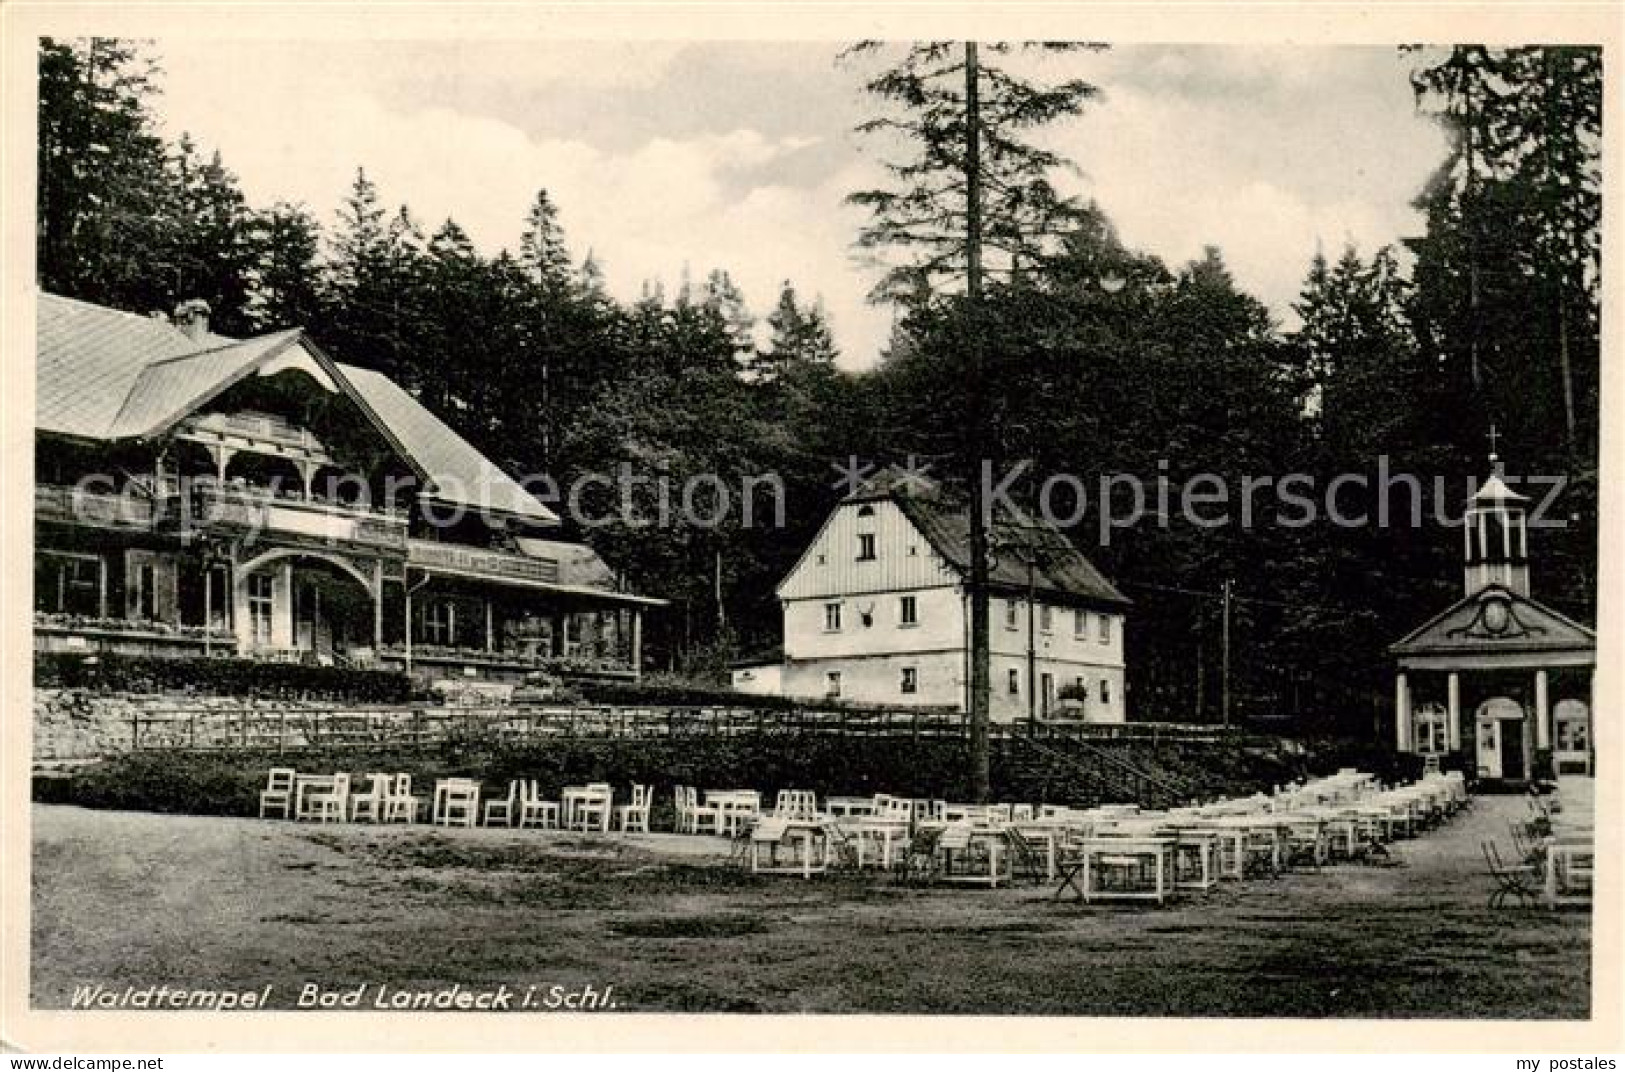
[[888, 835], [735, 807], [1096, 854], [849, 807], [812, 836], [1568, 857], [573, 797], [321, 785], [440, 811], [965, 840]]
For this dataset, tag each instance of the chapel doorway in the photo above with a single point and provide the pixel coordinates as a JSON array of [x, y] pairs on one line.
[[1502, 750]]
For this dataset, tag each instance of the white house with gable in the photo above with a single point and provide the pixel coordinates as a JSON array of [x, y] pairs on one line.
[[878, 611]]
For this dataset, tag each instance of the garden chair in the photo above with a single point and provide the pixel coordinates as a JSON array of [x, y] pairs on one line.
[[537, 810], [504, 809], [702, 815], [1520, 882], [919, 863], [278, 792], [329, 803], [400, 806], [369, 806], [635, 816]]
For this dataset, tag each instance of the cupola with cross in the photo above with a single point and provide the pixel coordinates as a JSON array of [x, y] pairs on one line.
[[1495, 534]]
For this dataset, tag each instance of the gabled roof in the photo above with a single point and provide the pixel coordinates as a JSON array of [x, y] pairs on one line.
[[1060, 569], [457, 472], [170, 389], [105, 374], [1470, 626]]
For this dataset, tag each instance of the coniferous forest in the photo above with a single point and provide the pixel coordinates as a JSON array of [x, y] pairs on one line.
[[1489, 316]]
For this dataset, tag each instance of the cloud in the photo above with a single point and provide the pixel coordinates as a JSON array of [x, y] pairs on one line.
[[740, 155], [646, 212]]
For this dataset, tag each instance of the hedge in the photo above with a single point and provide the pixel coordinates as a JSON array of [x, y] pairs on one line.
[[218, 677]]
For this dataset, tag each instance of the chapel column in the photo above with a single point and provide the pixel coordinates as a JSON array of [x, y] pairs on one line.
[[1453, 723], [1543, 716], [1405, 741]]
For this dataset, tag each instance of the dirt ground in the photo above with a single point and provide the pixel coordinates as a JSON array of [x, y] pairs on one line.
[[126, 899]]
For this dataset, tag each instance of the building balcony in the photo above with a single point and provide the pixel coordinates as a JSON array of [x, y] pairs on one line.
[[562, 665], [238, 508], [89, 634], [480, 563], [73, 505]]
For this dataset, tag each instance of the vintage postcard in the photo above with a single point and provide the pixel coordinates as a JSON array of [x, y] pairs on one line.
[[641, 526]]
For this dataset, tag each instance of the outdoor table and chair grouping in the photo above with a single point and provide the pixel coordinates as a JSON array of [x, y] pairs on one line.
[[1109, 852]]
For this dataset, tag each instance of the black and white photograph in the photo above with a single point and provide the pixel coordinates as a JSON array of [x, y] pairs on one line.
[[1058, 524]]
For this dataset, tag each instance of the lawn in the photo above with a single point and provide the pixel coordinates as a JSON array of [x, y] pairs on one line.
[[133, 899]]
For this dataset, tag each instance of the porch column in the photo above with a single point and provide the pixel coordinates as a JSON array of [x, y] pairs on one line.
[[282, 606], [637, 643], [1453, 723], [1402, 714], [377, 606], [1543, 715], [242, 621], [490, 626]]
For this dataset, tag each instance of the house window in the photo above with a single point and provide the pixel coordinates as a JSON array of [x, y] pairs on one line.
[[866, 547], [1105, 691], [68, 584], [1431, 729], [832, 617], [440, 623], [1010, 614], [1080, 624], [908, 610], [911, 681], [260, 601], [1046, 619], [1014, 682], [1105, 629], [832, 684], [146, 592]]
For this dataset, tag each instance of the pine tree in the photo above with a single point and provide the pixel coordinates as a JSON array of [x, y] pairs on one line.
[[542, 249], [918, 223], [285, 282]]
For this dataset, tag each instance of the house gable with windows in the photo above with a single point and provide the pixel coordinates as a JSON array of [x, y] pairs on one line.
[[877, 611]]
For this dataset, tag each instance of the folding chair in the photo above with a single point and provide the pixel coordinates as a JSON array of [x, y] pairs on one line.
[[1519, 882]]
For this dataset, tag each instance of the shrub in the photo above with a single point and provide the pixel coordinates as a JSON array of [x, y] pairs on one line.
[[223, 676]]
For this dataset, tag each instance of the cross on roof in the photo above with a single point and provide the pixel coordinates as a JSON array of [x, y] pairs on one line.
[[1493, 437]]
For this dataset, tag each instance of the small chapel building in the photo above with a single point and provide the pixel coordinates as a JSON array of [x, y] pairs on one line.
[[1497, 683]]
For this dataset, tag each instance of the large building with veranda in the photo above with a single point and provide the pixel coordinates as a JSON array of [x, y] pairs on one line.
[[201, 495]]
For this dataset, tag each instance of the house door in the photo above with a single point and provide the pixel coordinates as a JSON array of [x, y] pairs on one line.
[[1047, 691], [1501, 752]]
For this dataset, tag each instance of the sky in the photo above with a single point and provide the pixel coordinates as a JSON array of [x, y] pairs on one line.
[[708, 155]]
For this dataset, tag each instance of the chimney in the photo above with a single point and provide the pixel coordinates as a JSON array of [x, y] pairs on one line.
[[192, 317]]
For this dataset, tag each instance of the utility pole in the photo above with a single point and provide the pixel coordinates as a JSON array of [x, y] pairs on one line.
[[976, 438], [1225, 699]]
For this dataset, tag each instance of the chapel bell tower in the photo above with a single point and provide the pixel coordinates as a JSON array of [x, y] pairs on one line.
[[1496, 539]]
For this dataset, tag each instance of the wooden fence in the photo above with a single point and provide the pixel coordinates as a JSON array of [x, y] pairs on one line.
[[350, 725]]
